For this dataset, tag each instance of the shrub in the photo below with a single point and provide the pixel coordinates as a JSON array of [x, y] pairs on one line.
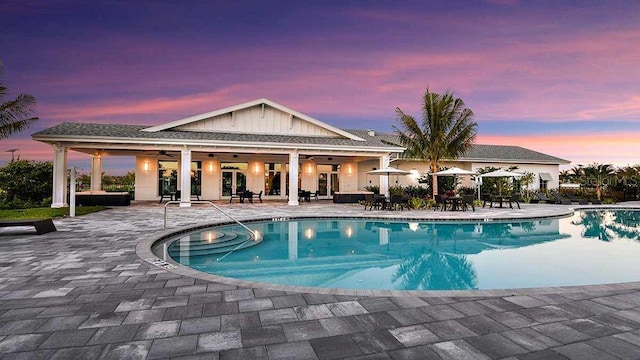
[[373, 188], [416, 191], [417, 203], [25, 183]]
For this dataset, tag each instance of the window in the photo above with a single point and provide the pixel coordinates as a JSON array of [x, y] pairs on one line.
[[544, 184], [168, 177]]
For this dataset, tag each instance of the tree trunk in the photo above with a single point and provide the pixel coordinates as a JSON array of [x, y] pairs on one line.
[[434, 179]]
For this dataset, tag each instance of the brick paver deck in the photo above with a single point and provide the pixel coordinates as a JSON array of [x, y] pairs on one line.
[[84, 293]]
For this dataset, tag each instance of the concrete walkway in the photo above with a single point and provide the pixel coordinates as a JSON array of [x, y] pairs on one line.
[[83, 293]]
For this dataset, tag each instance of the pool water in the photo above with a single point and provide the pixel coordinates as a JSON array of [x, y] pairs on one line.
[[590, 247]]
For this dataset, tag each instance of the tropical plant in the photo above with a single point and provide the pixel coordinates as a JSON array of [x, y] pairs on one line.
[[597, 175], [526, 180], [446, 131], [15, 114], [417, 203]]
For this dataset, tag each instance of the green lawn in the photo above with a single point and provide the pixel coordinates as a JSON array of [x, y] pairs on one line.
[[46, 213]]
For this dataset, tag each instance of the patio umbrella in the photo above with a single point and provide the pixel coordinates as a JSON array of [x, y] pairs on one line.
[[501, 173], [454, 171], [388, 171]]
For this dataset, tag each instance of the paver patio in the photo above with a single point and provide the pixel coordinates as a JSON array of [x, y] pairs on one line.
[[82, 292]]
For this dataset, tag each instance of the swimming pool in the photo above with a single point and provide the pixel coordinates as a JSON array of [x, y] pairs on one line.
[[589, 247]]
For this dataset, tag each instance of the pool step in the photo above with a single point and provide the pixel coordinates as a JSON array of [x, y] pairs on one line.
[[223, 245], [225, 240]]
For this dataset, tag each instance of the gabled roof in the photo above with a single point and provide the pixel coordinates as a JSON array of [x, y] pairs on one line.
[[246, 105], [129, 134]]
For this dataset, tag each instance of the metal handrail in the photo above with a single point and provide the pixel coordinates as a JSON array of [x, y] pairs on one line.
[[252, 234]]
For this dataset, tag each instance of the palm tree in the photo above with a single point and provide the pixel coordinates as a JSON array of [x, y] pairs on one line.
[[598, 176], [15, 115], [446, 131]]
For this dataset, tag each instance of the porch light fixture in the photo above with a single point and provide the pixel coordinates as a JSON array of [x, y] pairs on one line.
[[256, 169], [146, 166], [211, 167], [349, 169], [310, 169]]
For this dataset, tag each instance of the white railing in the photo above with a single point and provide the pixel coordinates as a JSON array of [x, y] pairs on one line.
[[252, 235]]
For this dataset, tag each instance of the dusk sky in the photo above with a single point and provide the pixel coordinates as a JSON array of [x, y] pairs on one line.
[[559, 76]]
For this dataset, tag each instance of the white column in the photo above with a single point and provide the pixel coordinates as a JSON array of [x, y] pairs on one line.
[[293, 178], [384, 179], [59, 196], [293, 240], [185, 178], [96, 172]]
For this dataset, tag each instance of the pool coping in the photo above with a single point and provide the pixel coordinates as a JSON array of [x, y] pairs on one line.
[[144, 246]]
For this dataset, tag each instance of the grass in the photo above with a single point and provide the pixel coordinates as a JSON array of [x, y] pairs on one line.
[[45, 213]]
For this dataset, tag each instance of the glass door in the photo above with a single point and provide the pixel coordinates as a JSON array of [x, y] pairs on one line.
[[234, 177], [328, 180]]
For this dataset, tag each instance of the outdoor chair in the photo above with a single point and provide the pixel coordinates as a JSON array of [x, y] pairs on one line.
[[304, 195], [486, 198], [440, 203], [397, 202], [559, 199], [379, 202], [540, 197], [368, 201], [466, 201], [515, 198], [167, 194], [576, 199], [315, 195], [250, 195]]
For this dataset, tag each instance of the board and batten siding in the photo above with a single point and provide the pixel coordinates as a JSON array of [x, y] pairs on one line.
[[252, 121]]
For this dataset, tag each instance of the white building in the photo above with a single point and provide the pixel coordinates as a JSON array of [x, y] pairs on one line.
[[263, 146]]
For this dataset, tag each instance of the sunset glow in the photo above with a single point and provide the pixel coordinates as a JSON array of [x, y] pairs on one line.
[[556, 77]]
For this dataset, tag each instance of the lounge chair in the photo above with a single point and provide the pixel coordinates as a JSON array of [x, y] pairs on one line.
[[540, 197], [575, 199], [559, 199]]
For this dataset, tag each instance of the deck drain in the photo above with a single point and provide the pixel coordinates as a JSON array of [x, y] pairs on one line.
[[160, 263]]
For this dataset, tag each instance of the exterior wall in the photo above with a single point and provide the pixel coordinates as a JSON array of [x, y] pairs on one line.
[[146, 179], [308, 176], [348, 177], [353, 175], [251, 120], [211, 187], [365, 179]]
